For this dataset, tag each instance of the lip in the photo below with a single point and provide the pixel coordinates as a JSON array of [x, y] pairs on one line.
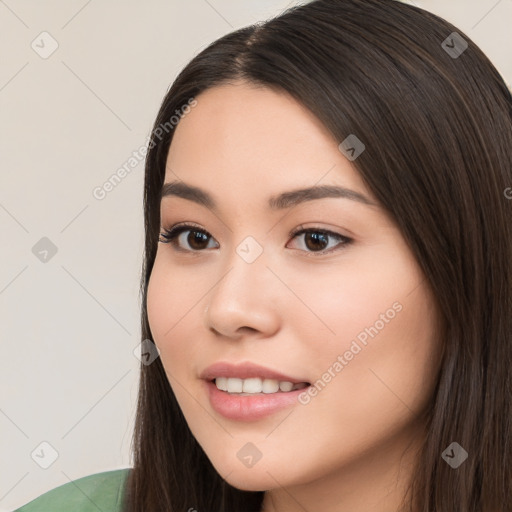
[[245, 370], [247, 408]]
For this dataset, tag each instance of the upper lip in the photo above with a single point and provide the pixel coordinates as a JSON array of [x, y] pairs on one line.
[[245, 371]]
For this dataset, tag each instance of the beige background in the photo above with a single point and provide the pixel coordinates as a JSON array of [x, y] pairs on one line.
[[69, 325]]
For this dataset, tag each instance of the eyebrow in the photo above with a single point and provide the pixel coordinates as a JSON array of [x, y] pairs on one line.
[[279, 202]]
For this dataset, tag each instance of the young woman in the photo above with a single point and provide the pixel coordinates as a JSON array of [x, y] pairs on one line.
[[336, 186], [327, 272]]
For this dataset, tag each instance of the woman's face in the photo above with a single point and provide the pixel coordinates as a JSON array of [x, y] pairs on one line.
[[347, 312]]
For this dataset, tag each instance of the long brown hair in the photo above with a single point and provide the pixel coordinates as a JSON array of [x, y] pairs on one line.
[[436, 120]]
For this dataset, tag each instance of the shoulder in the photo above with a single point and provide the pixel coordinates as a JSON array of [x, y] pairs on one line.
[[99, 491]]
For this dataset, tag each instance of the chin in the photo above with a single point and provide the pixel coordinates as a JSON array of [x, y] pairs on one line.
[[245, 480], [262, 476]]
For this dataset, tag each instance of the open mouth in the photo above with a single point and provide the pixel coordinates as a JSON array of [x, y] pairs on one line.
[[256, 386]]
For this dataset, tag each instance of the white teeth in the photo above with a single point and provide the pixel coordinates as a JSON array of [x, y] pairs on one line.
[[285, 386], [222, 383], [270, 386], [255, 385], [235, 385], [250, 385]]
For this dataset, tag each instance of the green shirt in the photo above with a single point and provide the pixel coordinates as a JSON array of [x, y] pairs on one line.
[[92, 493]]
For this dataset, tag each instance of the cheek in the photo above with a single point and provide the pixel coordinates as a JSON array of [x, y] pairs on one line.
[[174, 316], [384, 361], [166, 307], [158, 302], [405, 356], [378, 338], [171, 298], [356, 299]]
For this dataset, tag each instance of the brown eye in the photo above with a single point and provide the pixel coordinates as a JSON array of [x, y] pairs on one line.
[[317, 240], [196, 239]]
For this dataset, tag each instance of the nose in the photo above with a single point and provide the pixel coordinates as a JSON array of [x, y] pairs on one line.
[[244, 300]]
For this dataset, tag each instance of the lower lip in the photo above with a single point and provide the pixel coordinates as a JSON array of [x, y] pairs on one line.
[[249, 408]]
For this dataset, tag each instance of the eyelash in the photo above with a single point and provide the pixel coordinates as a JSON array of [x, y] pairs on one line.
[[170, 235]]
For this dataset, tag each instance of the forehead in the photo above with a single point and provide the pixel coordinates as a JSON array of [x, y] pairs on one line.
[[242, 137]]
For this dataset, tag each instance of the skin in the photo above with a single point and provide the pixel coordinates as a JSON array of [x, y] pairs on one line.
[[354, 445]]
